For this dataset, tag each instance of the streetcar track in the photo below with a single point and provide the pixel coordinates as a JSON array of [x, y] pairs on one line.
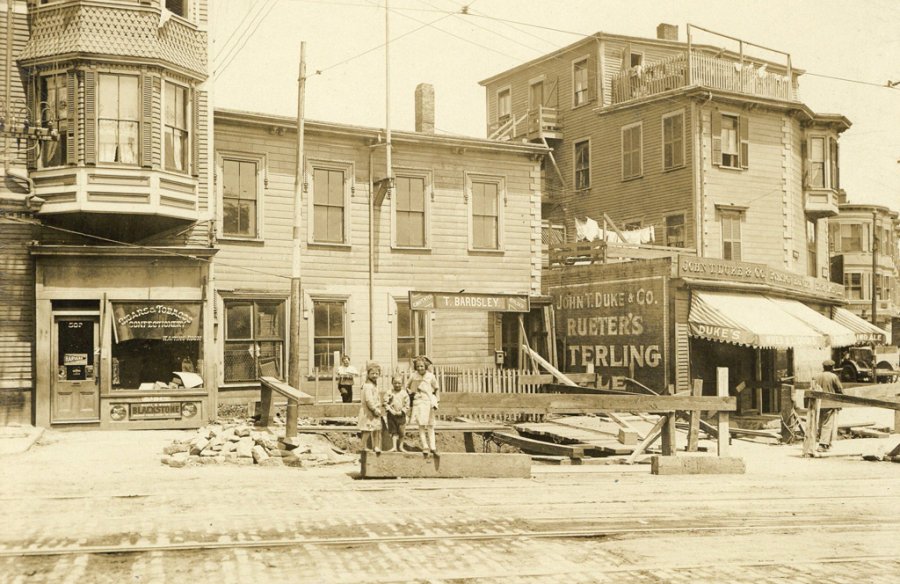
[[425, 538]]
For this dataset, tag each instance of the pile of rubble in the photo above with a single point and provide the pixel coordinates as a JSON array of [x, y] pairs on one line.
[[244, 445]]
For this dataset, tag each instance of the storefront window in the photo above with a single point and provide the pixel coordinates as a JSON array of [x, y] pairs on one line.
[[254, 340], [157, 345]]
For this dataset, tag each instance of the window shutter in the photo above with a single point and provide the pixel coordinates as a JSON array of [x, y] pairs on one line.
[[195, 132], [744, 122], [72, 115], [804, 155], [33, 145], [716, 134], [592, 78], [835, 167], [90, 117], [146, 120]]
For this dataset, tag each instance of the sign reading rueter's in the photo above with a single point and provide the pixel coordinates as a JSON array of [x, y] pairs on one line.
[[618, 327]]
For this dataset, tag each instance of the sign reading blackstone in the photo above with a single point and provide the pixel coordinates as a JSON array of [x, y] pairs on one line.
[[157, 320], [465, 301], [619, 327]]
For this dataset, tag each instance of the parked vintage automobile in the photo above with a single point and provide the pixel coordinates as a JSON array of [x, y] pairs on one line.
[[867, 363]]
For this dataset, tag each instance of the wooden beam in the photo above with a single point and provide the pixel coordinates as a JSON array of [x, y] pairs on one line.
[[651, 437], [724, 437], [811, 432], [668, 435], [539, 446], [834, 400], [694, 428]]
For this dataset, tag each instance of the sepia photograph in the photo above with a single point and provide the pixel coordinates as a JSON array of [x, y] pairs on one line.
[[448, 291]]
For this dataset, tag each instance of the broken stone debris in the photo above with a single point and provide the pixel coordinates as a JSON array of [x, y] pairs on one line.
[[242, 444]]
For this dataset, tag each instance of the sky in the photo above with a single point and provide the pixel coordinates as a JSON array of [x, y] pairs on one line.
[[255, 54]]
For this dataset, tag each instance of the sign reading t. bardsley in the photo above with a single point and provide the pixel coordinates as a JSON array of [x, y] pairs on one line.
[[468, 301]]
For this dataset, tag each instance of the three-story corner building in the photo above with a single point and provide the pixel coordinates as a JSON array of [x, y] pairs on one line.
[[865, 259], [463, 218], [703, 149], [121, 257]]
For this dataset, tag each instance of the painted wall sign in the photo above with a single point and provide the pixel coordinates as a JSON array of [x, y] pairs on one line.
[[748, 273], [618, 327], [156, 320], [466, 301]]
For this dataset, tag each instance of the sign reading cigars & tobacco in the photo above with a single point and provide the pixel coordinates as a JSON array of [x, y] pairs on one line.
[[618, 327], [465, 301]]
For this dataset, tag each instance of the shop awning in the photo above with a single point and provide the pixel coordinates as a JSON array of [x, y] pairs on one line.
[[748, 319], [865, 331], [837, 335]]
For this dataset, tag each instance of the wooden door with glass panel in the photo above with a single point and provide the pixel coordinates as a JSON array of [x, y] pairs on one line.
[[75, 391]]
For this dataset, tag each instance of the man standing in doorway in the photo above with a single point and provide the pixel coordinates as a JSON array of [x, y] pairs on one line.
[[828, 382]]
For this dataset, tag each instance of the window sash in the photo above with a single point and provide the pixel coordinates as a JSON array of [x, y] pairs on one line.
[[580, 82], [55, 110], [176, 128], [817, 163], [504, 103], [485, 215], [675, 231], [328, 205], [254, 336], [239, 197], [406, 339], [118, 118], [328, 332], [582, 165], [410, 211]]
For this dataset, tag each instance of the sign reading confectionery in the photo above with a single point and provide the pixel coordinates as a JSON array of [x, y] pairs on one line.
[[466, 301], [168, 321]]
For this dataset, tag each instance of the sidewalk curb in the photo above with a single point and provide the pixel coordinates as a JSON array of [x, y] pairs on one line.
[[18, 439]]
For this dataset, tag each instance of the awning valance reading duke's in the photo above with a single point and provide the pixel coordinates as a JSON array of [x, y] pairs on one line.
[[167, 321], [751, 320]]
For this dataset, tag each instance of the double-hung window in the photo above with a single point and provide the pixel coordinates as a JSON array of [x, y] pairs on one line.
[[673, 141], [730, 140], [176, 127], [410, 211], [411, 334], [240, 197], [328, 333], [817, 163], [580, 87], [485, 212], [583, 165], [504, 104], [254, 339], [118, 118], [632, 157], [329, 205], [821, 154], [853, 286], [851, 237], [675, 231], [55, 112], [731, 236], [812, 249]]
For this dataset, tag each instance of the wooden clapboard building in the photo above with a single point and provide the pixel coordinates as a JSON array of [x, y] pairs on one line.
[[463, 218], [113, 218], [703, 150]]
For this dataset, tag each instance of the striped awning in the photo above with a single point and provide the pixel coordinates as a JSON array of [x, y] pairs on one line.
[[837, 335], [865, 331], [749, 319]]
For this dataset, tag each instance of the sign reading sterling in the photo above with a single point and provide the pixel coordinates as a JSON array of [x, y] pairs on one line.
[[465, 301], [620, 327], [745, 272]]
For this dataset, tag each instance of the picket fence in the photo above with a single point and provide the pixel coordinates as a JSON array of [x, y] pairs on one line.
[[455, 380]]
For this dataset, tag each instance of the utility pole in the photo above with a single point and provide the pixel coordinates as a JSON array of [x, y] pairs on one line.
[[874, 267], [296, 292]]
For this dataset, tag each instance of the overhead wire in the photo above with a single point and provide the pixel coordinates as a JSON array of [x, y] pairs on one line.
[[240, 25], [271, 5]]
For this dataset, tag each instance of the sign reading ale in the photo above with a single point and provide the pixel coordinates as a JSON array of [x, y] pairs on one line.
[[618, 327]]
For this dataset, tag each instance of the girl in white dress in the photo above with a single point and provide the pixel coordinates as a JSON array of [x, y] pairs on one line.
[[423, 386]]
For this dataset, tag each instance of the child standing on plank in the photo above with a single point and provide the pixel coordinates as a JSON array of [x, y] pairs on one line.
[[396, 402], [371, 409]]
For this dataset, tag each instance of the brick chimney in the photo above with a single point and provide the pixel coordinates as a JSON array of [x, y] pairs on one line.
[[667, 32], [425, 108]]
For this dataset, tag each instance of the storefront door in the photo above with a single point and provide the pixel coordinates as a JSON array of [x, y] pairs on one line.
[[75, 391]]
